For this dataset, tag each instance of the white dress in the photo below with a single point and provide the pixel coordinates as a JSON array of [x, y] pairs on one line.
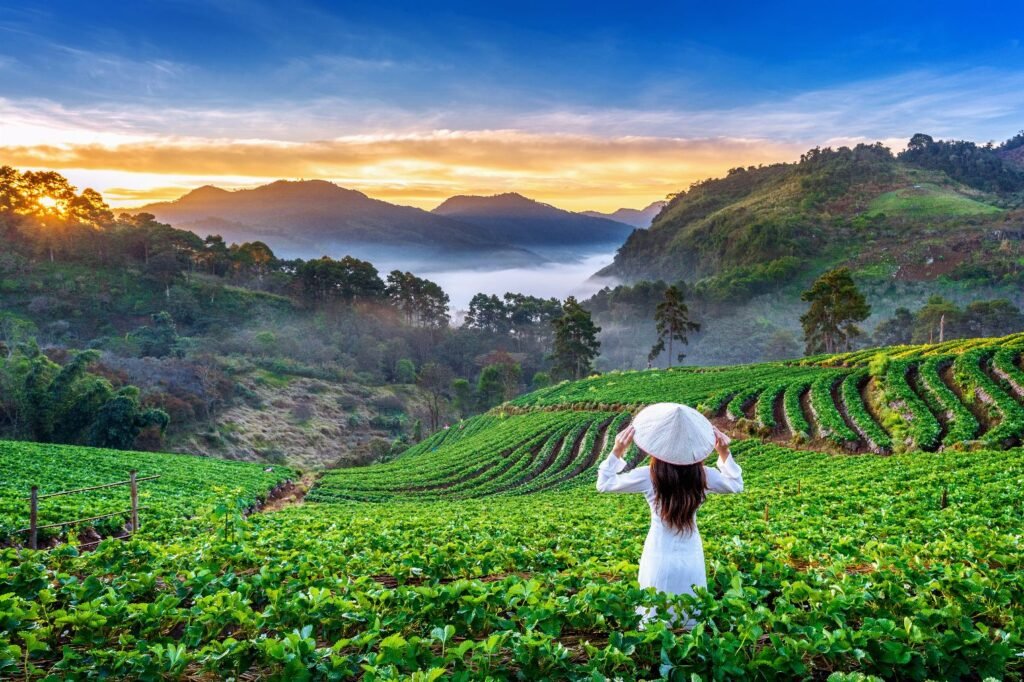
[[672, 561]]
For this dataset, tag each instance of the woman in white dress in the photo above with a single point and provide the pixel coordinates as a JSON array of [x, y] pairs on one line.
[[678, 439]]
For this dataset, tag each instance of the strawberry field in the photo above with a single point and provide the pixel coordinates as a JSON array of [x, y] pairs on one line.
[[485, 552], [186, 486]]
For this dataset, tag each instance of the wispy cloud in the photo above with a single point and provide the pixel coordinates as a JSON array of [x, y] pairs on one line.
[[571, 156]]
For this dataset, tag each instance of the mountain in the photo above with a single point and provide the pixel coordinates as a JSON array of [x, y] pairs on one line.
[[939, 208], [636, 217], [310, 218], [533, 225]]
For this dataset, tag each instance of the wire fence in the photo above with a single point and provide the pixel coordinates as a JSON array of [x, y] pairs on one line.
[[34, 498]]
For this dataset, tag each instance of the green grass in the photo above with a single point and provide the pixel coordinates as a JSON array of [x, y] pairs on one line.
[[928, 201]]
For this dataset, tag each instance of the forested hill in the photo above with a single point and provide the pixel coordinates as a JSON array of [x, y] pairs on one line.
[[932, 209]]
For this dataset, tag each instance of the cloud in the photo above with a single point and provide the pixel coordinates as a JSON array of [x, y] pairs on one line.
[[431, 166], [574, 157]]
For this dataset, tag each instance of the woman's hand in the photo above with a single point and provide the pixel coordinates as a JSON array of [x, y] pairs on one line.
[[722, 444], [622, 441]]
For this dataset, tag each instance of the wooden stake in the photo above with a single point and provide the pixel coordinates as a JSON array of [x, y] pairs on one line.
[[33, 518], [135, 501], [798, 486], [766, 511], [944, 502]]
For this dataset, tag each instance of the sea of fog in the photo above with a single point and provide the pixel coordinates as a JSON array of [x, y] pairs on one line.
[[551, 279]]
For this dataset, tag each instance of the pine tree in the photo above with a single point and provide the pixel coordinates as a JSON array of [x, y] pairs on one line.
[[673, 323], [836, 306], [576, 344]]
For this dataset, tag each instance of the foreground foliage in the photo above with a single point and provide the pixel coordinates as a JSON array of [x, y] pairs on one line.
[[543, 586], [484, 551]]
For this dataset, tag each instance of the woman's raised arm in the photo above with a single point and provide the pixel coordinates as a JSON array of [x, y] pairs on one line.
[[609, 480], [728, 477]]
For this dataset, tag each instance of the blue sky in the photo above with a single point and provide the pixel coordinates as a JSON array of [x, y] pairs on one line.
[[413, 103]]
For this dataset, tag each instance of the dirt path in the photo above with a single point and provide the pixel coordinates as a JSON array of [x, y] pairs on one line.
[[294, 496]]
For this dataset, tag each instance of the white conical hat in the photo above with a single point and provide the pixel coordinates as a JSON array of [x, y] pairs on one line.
[[674, 433]]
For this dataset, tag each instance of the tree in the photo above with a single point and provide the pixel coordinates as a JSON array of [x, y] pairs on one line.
[[529, 318], [436, 380], [159, 340], [673, 323], [62, 401], [998, 317], [253, 258], [498, 383], [897, 330], [540, 380], [836, 306], [14, 329], [405, 371], [464, 399], [935, 321], [347, 280], [423, 302], [121, 419], [576, 344], [488, 313]]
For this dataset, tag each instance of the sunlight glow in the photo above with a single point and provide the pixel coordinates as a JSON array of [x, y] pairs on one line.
[[48, 202]]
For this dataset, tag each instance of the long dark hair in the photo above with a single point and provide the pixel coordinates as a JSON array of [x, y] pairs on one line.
[[679, 490]]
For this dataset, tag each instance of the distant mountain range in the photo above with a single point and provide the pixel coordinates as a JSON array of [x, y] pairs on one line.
[[534, 225], [310, 218], [637, 217]]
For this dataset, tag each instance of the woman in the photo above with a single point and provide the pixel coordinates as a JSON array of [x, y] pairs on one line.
[[678, 439]]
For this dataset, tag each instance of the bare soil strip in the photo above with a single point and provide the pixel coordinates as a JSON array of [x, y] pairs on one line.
[[292, 495]]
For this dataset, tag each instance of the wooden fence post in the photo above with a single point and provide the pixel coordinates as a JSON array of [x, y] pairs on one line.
[[135, 502], [33, 518]]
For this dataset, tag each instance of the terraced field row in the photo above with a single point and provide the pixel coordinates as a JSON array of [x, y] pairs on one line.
[[971, 396], [946, 395], [539, 451]]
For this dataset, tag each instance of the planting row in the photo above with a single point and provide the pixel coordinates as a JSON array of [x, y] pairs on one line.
[[916, 575]]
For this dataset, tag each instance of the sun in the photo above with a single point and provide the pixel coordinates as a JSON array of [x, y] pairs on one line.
[[47, 202]]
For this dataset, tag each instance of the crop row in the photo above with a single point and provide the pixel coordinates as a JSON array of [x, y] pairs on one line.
[[916, 575], [187, 485], [521, 454], [794, 411], [765, 410], [827, 415], [968, 369], [923, 430], [876, 437], [961, 424]]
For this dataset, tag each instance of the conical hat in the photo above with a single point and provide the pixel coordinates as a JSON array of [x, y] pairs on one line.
[[674, 433]]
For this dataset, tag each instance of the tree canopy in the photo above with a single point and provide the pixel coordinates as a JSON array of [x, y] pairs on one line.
[[576, 344], [836, 306]]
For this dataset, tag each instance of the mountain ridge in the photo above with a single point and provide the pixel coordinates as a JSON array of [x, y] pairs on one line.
[[306, 216], [636, 217], [534, 224]]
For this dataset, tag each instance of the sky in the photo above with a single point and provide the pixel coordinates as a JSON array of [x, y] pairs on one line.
[[584, 105]]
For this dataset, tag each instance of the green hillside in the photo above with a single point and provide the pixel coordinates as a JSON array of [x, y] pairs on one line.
[[928, 201], [839, 204]]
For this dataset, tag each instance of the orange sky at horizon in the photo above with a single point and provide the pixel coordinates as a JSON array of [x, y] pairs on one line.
[[574, 172]]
